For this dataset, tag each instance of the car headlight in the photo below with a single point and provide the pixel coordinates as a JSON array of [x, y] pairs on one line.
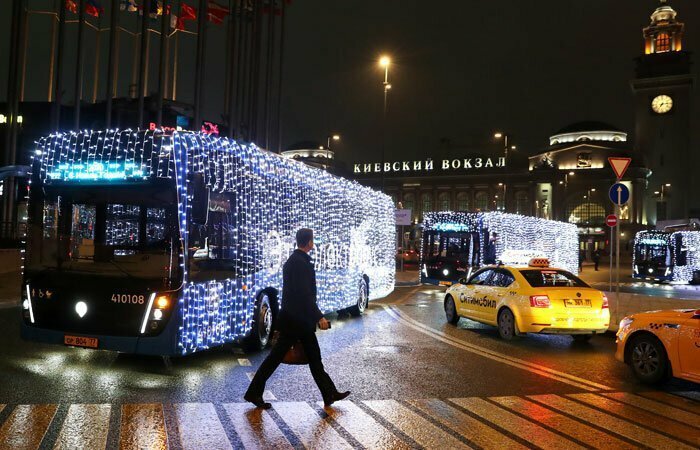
[[626, 322], [650, 270]]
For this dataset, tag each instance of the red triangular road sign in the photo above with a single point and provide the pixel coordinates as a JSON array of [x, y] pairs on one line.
[[619, 165]]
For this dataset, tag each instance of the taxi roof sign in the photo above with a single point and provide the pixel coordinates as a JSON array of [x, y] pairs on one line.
[[538, 262]]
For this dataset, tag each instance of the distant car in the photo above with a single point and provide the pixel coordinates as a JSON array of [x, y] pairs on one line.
[[533, 299], [660, 344], [408, 256]]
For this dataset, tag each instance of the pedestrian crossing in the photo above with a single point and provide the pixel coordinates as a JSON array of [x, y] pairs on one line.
[[618, 420]]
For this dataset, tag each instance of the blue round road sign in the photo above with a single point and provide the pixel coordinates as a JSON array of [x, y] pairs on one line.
[[619, 194]]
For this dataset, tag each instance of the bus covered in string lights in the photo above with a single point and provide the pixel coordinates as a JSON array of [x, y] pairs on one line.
[[455, 244], [672, 256], [168, 243]]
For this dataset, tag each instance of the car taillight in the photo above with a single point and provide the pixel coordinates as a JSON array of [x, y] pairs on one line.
[[539, 301], [605, 302]]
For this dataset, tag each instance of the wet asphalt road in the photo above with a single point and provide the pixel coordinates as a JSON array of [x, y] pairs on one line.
[[382, 355]]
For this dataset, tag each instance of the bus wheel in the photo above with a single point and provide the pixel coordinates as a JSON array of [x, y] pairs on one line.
[[451, 310], [261, 331], [362, 300], [506, 324]]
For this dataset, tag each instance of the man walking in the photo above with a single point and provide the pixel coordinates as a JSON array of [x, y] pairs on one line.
[[596, 258], [297, 321]]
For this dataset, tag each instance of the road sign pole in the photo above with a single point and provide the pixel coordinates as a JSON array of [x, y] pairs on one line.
[[617, 251], [610, 255]]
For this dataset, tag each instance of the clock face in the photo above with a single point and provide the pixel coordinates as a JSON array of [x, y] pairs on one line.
[[662, 104]]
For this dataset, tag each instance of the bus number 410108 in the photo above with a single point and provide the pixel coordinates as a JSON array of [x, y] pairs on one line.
[[131, 299]]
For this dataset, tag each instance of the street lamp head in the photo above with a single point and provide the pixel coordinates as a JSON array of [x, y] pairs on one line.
[[561, 182], [512, 147], [384, 61], [336, 137], [387, 87], [656, 192], [500, 184], [498, 135], [572, 173], [593, 190], [668, 184], [320, 147]]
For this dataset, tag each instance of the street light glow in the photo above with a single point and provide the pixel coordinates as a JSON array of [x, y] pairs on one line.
[[571, 173], [498, 135], [336, 137], [384, 61], [668, 184]]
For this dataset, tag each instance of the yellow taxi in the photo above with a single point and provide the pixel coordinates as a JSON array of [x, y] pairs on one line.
[[533, 299], [659, 344]]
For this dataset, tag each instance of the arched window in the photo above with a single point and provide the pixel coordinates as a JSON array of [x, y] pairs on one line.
[[521, 206], [663, 43], [462, 201], [481, 201], [426, 200], [444, 201], [586, 212]]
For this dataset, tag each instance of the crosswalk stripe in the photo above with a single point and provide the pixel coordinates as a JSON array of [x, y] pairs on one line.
[[313, 431], [26, 426], [413, 425], [142, 426], [622, 427], [200, 427], [577, 430], [633, 414], [674, 400], [255, 427], [363, 427], [655, 407], [85, 426], [464, 424], [516, 425]]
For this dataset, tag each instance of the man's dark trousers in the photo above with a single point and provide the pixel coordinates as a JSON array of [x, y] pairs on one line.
[[273, 360]]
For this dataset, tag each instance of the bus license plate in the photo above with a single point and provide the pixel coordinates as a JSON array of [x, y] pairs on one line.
[[577, 303], [79, 341]]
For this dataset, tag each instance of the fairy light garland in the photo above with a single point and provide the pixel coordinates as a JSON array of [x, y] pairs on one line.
[[518, 237], [681, 249], [266, 199]]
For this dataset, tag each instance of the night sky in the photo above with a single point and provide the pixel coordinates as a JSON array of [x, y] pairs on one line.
[[461, 70]]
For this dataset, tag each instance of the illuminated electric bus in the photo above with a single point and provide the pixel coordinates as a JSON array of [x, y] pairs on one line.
[[667, 256], [454, 244], [166, 244]]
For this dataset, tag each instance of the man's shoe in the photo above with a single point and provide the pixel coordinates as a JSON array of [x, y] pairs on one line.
[[257, 400], [335, 397]]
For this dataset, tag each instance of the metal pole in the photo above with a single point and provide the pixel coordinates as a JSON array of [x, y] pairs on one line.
[[165, 23], [96, 69], [133, 87], [23, 55], [52, 57], [279, 85], [268, 71], [79, 66], [199, 67], [142, 62], [233, 20], [8, 184], [610, 253], [175, 52], [58, 94], [112, 61], [257, 43], [617, 245]]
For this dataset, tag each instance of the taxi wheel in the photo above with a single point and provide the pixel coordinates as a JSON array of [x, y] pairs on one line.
[[582, 337], [506, 325], [451, 310], [648, 360]]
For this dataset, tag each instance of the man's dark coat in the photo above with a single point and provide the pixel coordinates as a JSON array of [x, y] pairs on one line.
[[299, 313]]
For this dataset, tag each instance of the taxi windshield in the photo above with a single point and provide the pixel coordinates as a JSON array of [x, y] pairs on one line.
[[538, 278]]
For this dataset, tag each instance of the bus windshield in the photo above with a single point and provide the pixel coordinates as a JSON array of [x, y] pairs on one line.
[[104, 232], [656, 252]]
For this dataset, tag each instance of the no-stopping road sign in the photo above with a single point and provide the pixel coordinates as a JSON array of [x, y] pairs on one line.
[[611, 220]]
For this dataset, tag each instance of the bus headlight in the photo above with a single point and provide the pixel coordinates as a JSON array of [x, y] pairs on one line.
[[25, 305], [157, 314], [667, 272]]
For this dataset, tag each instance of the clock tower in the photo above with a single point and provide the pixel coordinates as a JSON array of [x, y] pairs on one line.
[[662, 93]]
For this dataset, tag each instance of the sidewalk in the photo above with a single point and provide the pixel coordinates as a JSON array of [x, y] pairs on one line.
[[10, 284]]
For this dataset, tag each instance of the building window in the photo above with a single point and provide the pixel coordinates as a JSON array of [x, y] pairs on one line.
[[481, 201], [663, 43], [426, 199], [521, 205], [462, 201], [586, 213], [409, 201], [444, 201]]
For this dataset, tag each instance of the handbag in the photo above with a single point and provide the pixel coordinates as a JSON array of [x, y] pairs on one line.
[[295, 355]]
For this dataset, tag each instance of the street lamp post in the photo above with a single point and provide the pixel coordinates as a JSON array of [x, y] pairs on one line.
[[384, 62], [335, 137], [505, 137]]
